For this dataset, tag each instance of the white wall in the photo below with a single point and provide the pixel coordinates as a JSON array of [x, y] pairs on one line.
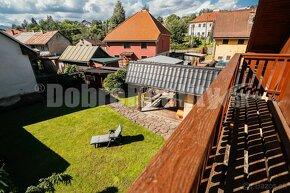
[[200, 29], [16, 74]]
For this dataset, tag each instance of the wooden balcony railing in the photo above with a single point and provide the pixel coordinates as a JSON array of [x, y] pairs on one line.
[[264, 74], [179, 165]]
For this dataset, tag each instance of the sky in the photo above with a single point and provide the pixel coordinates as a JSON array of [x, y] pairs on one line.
[[15, 11]]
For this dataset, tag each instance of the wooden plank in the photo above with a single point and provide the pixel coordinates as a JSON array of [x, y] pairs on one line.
[[178, 166]]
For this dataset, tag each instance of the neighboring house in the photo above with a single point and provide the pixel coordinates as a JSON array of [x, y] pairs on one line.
[[188, 81], [232, 32], [92, 60], [140, 36], [203, 25], [90, 56], [14, 32], [51, 43], [16, 71], [90, 42]]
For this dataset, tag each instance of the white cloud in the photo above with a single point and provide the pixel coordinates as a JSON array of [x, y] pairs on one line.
[[15, 11]]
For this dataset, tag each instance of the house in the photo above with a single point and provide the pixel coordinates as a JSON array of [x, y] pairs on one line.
[[16, 72], [14, 32], [51, 43], [92, 60], [90, 42], [140, 36], [203, 25], [235, 138], [188, 82], [232, 32]]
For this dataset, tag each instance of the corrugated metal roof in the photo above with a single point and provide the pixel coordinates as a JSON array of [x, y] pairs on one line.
[[177, 78], [106, 60], [78, 53], [163, 59]]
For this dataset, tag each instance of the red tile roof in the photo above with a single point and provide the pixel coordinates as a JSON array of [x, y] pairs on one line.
[[13, 32], [206, 17], [142, 26], [234, 24], [40, 38]]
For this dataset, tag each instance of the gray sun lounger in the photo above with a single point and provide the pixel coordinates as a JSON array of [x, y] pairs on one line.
[[108, 138]]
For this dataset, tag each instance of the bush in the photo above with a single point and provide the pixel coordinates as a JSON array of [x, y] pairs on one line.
[[196, 42], [47, 184], [115, 81], [68, 68], [6, 185]]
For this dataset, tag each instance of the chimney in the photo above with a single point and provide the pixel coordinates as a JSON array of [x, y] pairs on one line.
[[252, 16]]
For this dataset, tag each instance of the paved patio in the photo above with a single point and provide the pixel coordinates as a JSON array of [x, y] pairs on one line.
[[161, 122]]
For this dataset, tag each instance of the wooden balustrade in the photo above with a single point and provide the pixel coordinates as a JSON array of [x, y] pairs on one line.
[[264, 74], [179, 165]]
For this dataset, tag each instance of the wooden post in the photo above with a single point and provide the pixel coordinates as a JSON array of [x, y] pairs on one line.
[[139, 107]]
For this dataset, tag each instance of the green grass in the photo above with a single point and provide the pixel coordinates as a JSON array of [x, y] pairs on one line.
[[38, 141], [130, 101]]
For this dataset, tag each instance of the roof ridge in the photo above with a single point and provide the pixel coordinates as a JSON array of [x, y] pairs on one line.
[[122, 23], [154, 21]]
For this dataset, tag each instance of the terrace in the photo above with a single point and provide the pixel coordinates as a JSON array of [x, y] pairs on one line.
[[236, 137]]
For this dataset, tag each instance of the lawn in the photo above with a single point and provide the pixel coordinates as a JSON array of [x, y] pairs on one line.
[[38, 141]]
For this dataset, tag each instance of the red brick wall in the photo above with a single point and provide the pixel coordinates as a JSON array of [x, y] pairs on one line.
[[116, 48], [163, 45]]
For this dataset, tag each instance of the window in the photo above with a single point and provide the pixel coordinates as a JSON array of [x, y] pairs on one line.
[[57, 36], [127, 45], [42, 48], [220, 58], [202, 33], [143, 45], [204, 25], [143, 57], [225, 41], [228, 57], [210, 25], [240, 41], [208, 34], [199, 25], [198, 33]]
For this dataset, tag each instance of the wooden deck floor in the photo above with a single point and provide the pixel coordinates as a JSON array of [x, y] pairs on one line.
[[249, 155]]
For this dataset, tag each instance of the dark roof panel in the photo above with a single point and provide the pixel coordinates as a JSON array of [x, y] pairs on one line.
[[177, 78]]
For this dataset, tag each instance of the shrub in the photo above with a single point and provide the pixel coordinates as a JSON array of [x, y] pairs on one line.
[[196, 42], [115, 81], [47, 184], [6, 185], [68, 68]]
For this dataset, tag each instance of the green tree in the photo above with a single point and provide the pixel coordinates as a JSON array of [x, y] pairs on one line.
[[177, 27], [205, 11], [118, 16], [71, 30], [115, 81], [160, 19], [24, 24], [49, 24], [33, 21]]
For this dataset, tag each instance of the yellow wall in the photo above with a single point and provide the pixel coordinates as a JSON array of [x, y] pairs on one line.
[[229, 49]]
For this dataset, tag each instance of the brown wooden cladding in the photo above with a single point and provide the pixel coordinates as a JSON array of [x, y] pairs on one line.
[[178, 166], [271, 27], [264, 73]]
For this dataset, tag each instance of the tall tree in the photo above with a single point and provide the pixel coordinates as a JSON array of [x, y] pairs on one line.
[[160, 19], [24, 24], [118, 16], [33, 21], [205, 11], [177, 28]]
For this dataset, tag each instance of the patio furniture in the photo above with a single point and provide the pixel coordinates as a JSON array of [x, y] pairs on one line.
[[108, 138]]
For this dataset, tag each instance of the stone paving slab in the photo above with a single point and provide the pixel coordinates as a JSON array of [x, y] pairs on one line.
[[160, 125]]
